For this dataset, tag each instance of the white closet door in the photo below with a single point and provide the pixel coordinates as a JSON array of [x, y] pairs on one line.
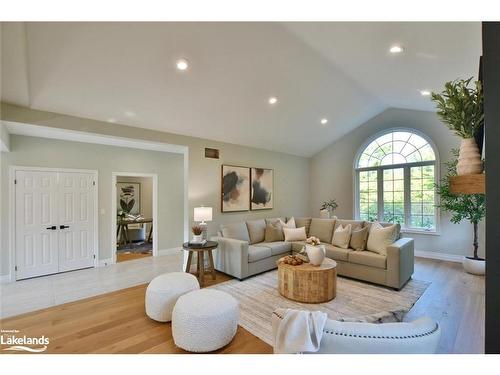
[[76, 221], [36, 223]]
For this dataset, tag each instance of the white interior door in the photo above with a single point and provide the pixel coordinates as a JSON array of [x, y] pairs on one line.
[[55, 221], [76, 221], [36, 223]]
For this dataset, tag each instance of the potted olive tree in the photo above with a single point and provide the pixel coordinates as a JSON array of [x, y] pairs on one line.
[[471, 207], [460, 107]]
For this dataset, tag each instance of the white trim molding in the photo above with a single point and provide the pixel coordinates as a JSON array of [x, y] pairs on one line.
[[439, 256]]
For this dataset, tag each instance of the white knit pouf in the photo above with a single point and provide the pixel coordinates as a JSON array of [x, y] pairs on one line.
[[164, 290], [204, 320]]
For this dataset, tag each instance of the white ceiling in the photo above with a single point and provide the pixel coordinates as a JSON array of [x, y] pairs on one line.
[[125, 72]]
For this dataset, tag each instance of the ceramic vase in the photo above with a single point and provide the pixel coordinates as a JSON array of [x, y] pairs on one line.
[[324, 214], [316, 254], [197, 238], [469, 160]]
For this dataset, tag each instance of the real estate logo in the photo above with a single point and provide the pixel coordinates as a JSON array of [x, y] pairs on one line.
[[22, 343]]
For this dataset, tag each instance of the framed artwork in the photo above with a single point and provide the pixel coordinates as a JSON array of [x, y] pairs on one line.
[[129, 197], [235, 188], [262, 190]]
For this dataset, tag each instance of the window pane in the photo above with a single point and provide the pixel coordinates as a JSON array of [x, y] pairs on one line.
[[422, 196], [393, 200], [368, 195]]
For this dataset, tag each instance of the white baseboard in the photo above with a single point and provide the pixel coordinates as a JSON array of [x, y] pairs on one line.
[[172, 251], [4, 279], [105, 262], [439, 256]]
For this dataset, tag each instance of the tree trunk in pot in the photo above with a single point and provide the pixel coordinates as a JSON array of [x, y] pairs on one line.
[[469, 160]]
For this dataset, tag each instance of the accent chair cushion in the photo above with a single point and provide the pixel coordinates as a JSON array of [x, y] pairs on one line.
[[341, 236], [323, 229], [279, 247], [379, 238], [337, 253], [236, 231], [303, 222], [295, 234], [274, 232], [256, 253], [358, 239], [368, 258], [256, 230]]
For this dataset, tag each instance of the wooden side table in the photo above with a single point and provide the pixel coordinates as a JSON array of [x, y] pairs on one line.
[[200, 265], [307, 283]]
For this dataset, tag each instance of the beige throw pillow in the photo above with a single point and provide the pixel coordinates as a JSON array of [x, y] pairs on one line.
[[341, 236], [289, 224], [274, 232], [295, 234], [358, 239], [379, 238]]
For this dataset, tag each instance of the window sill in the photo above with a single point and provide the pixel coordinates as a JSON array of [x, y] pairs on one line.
[[424, 232]]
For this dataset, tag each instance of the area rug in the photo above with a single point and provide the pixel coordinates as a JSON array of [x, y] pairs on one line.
[[356, 301]]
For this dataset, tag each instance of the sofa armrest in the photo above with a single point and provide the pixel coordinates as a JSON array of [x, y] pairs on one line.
[[400, 262], [231, 256]]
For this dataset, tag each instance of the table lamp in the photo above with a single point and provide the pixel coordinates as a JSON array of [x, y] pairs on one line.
[[203, 214]]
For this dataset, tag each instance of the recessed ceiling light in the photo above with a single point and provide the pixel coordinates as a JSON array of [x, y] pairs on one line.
[[182, 64], [425, 92], [324, 121], [130, 114], [273, 100], [396, 49], [112, 120]]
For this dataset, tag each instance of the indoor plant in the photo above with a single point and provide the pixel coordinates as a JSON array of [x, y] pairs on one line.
[[328, 208], [197, 234], [471, 207], [460, 107]]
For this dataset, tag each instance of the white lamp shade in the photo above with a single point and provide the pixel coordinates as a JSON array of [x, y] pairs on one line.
[[203, 214]]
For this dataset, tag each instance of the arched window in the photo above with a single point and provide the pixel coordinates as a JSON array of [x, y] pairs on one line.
[[395, 177]]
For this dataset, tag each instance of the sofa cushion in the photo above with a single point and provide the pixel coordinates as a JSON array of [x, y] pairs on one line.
[[323, 229], [337, 253], [397, 233], [380, 237], [295, 234], [358, 239], [368, 258], [256, 253], [256, 230], [297, 245], [290, 223], [342, 236], [355, 224], [303, 222], [274, 232], [278, 247], [237, 231]]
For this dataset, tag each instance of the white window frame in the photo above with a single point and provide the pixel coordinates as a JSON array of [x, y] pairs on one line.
[[407, 181]]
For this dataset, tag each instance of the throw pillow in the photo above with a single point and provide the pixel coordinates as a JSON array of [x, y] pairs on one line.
[[295, 234], [341, 236], [289, 224], [274, 232], [379, 238], [358, 239]]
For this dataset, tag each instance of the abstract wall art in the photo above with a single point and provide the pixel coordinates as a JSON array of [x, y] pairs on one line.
[[262, 191], [235, 188], [128, 197]]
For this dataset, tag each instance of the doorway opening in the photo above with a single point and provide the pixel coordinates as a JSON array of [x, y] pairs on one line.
[[134, 198]]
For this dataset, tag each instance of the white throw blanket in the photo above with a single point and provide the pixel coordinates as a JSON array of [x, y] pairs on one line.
[[297, 331]]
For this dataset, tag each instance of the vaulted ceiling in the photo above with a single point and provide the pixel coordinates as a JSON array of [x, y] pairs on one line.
[[126, 73]]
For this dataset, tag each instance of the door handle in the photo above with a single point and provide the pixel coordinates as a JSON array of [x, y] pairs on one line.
[[63, 226], [53, 227]]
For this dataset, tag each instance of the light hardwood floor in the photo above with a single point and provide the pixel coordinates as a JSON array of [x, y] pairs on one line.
[[116, 323]]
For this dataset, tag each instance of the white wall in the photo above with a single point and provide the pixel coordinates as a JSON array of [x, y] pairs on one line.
[[332, 175]]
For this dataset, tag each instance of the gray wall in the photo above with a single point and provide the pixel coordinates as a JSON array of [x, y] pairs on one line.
[[40, 152], [332, 175], [291, 173]]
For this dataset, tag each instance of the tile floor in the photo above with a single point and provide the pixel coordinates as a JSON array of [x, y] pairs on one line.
[[33, 294]]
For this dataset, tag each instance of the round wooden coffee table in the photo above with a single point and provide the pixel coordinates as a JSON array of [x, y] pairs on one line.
[[307, 283]]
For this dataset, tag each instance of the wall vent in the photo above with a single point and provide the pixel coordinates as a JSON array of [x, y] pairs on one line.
[[211, 153]]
